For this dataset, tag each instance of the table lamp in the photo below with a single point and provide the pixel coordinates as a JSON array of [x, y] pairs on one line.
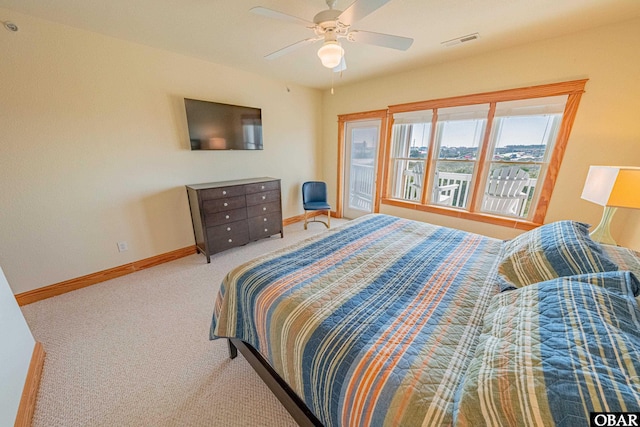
[[612, 187]]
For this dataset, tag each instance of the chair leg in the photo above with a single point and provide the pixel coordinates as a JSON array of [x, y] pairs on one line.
[[315, 214]]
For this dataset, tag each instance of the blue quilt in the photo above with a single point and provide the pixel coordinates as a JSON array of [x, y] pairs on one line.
[[553, 352], [387, 321], [371, 324]]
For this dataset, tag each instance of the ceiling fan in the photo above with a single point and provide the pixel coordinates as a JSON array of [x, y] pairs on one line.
[[332, 25]]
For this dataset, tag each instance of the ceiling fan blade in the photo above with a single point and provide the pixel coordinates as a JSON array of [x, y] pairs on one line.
[[270, 13], [379, 39], [359, 9], [278, 53], [341, 66]]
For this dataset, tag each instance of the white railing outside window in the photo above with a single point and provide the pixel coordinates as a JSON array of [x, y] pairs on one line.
[[461, 193], [362, 181]]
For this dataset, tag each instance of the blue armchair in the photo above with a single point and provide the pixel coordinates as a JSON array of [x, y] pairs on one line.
[[314, 198]]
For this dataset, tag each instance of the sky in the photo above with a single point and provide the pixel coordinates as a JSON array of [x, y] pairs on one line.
[[519, 130]]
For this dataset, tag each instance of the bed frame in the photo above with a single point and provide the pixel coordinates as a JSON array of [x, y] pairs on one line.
[[289, 399]]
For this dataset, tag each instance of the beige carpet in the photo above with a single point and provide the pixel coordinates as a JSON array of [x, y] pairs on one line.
[[134, 351]]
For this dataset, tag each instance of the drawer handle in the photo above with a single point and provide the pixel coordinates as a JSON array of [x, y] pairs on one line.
[[230, 240], [264, 208], [262, 187], [264, 197], [224, 192], [266, 229], [265, 219], [228, 228], [226, 204], [226, 217]]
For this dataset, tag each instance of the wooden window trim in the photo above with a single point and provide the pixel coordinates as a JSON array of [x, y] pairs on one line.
[[541, 91], [479, 179], [427, 187], [570, 111], [574, 89], [457, 213]]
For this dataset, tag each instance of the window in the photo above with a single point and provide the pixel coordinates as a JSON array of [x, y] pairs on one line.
[[522, 141], [492, 157], [411, 134], [459, 135]]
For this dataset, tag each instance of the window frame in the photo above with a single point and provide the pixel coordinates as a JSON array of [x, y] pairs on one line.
[[542, 165], [381, 155], [477, 164], [573, 89]]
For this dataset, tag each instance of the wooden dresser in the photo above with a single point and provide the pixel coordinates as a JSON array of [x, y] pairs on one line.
[[233, 213]]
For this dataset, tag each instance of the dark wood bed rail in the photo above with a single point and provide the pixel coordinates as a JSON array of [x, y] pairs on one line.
[[289, 399]]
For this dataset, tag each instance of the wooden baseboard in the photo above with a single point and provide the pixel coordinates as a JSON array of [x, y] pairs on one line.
[[100, 276], [299, 218], [31, 386], [111, 273]]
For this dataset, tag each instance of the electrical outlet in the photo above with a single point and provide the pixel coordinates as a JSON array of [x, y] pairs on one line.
[[123, 246]]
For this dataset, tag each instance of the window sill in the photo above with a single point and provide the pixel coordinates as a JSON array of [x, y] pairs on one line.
[[519, 224]]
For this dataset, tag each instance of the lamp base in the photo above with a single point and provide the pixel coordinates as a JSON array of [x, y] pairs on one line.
[[601, 233]]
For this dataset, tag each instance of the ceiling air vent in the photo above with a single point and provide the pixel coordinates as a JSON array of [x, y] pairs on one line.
[[459, 40]]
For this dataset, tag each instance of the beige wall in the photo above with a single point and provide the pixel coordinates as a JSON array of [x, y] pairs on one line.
[[16, 348], [94, 148], [606, 130]]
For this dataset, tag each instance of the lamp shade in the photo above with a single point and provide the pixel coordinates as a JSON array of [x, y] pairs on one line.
[[616, 186], [330, 54]]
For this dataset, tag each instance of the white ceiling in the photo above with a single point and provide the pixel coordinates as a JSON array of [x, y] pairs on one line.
[[225, 32]]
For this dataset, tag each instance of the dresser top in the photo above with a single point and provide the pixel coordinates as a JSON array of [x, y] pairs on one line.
[[231, 183]]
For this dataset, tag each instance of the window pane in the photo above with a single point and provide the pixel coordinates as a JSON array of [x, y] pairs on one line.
[[410, 140], [364, 143], [407, 177], [510, 189], [419, 140], [415, 142], [451, 183], [525, 138], [409, 147], [459, 136], [460, 131], [460, 139]]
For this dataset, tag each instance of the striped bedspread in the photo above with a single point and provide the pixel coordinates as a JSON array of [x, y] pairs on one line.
[[371, 324], [553, 352]]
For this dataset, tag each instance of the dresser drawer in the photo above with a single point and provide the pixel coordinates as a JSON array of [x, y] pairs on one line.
[[226, 204], [262, 186], [264, 197], [220, 192], [225, 217], [263, 209], [265, 225], [229, 235]]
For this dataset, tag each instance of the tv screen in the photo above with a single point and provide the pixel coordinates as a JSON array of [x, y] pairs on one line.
[[216, 126]]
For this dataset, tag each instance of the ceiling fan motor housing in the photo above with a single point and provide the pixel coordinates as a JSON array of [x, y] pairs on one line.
[[327, 17], [332, 25]]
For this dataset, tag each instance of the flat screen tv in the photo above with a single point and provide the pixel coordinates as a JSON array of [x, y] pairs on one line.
[[216, 126]]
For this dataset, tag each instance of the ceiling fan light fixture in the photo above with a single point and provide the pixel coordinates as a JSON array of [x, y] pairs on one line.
[[330, 54]]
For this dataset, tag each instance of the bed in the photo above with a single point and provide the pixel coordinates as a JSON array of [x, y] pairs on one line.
[[388, 321]]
